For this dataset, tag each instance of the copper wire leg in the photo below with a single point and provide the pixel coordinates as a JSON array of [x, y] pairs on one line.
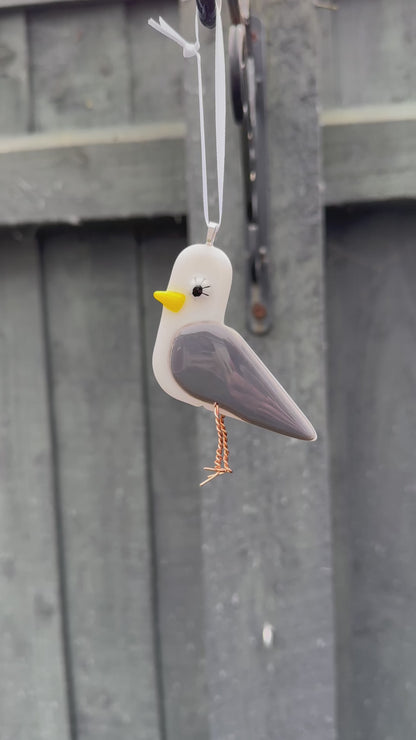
[[222, 455]]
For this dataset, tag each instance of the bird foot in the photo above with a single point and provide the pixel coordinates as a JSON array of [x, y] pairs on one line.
[[221, 465], [215, 474]]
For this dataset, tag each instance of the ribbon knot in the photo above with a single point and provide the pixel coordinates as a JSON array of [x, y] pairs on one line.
[[189, 49]]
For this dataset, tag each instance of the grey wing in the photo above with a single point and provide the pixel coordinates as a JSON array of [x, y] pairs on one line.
[[213, 363]]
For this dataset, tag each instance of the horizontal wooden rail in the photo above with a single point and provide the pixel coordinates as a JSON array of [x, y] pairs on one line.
[[99, 174], [369, 153]]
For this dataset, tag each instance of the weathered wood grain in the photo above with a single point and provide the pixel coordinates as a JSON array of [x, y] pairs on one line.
[[14, 84], [266, 528], [371, 313], [174, 479], [96, 369], [138, 171], [80, 71], [107, 173], [367, 52], [33, 700], [369, 153], [156, 63]]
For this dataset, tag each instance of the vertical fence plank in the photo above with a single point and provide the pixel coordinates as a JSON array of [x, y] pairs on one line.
[[80, 70], [32, 675], [176, 502], [266, 528], [14, 85], [156, 66], [359, 40], [96, 367], [372, 383]]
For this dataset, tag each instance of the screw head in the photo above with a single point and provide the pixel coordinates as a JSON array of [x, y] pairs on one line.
[[259, 310]]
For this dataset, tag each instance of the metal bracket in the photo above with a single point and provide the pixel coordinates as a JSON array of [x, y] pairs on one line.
[[246, 51], [239, 11], [207, 12]]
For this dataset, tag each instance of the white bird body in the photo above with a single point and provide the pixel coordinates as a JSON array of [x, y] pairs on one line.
[[192, 267]]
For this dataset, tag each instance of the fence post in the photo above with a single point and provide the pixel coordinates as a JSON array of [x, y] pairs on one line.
[[266, 529]]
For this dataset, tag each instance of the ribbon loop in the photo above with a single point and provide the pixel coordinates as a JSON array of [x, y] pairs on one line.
[[190, 50]]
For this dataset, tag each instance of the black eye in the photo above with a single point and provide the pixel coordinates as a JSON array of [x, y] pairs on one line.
[[197, 291]]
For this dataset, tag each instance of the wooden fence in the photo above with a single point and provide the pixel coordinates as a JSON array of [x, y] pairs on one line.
[[133, 605]]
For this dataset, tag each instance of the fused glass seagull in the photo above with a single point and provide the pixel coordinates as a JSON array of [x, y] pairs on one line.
[[201, 361]]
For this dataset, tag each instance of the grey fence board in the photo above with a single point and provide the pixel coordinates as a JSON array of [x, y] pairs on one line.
[[372, 380], [14, 84], [32, 675], [367, 53], [266, 530], [368, 76], [74, 176], [369, 154], [138, 171], [174, 491], [156, 66], [94, 334], [80, 70]]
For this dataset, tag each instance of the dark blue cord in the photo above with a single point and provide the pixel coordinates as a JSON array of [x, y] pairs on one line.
[[206, 10]]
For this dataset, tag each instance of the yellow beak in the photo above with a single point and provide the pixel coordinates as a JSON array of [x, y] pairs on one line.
[[169, 298]]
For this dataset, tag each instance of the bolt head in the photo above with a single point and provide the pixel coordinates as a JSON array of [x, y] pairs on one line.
[[259, 311]]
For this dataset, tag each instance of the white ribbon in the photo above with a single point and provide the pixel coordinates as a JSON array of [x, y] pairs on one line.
[[192, 50]]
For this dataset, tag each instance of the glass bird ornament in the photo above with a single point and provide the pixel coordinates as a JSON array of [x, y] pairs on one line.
[[199, 360]]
